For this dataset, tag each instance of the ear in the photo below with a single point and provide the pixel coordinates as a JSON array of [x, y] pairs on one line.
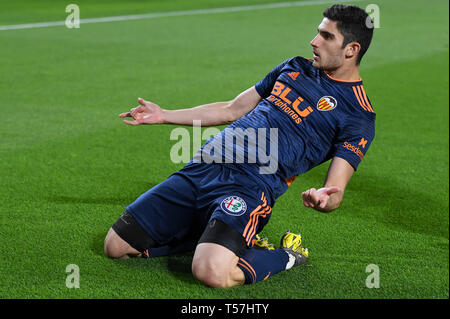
[[352, 49]]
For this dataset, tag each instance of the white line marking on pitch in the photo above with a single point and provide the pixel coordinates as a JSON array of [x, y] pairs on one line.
[[171, 14]]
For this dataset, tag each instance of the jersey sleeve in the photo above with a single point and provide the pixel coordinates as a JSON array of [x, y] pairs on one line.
[[265, 86], [354, 140]]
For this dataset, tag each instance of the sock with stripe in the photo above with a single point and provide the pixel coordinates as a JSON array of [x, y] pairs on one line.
[[258, 264]]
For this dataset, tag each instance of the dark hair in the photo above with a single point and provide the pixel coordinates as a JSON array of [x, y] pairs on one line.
[[354, 23]]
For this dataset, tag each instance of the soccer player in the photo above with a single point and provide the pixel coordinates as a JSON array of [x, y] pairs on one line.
[[320, 111]]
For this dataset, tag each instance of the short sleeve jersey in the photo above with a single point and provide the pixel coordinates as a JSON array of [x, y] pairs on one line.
[[316, 116]]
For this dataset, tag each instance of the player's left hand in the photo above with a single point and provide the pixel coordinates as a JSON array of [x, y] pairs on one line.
[[318, 199]]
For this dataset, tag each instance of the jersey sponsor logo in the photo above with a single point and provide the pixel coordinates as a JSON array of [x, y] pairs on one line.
[[363, 142], [326, 103], [354, 149], [286, 99], [234, 206]]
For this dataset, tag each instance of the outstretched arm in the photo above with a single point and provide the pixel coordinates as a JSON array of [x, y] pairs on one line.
[[329, 197], [209, 114]]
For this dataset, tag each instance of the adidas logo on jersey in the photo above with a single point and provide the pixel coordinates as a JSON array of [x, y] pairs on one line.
[[293, 75]]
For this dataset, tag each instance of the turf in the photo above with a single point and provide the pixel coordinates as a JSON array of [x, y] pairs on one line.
[[69, 166]]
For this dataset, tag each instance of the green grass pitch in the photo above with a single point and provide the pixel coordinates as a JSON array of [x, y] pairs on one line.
[[68, 165]]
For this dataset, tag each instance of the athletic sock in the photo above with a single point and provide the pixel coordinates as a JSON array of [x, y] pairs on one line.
[[260, 264]]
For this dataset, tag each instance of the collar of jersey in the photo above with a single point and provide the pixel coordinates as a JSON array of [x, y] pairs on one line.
[[358, 82]]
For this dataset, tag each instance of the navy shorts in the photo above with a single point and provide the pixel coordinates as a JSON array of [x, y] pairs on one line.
[[179, 208]]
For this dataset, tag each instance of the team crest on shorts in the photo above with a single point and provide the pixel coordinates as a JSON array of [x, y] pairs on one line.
[[234, 206], [326, 103]]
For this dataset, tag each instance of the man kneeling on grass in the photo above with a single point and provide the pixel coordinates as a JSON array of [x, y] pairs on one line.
[[319, 110]]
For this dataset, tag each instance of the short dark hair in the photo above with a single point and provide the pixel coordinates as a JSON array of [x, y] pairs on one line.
[[355, 25]]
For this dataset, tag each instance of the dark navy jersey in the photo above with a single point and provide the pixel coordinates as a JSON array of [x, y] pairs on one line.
[[316, 118]]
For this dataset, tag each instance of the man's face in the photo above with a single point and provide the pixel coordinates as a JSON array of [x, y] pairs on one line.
[[327, 46]]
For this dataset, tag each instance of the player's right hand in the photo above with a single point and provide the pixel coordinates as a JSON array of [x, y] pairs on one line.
[[145, 113]]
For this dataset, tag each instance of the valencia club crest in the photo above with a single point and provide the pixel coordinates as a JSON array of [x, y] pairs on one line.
[[326, 103]]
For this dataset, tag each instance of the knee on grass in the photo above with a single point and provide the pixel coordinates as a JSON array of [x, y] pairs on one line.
[[211, 274], [116, 247]]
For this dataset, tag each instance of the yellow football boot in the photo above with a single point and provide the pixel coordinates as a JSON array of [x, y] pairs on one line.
[[292, 244], [263, 243]]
